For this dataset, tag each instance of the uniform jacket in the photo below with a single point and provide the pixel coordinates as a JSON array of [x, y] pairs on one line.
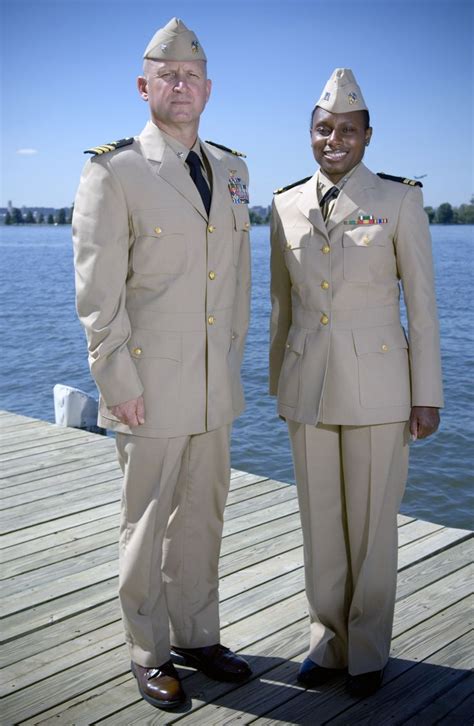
[[163, 290], [339, 354]]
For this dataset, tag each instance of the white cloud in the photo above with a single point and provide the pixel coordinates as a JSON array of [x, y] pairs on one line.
[[27, 152]]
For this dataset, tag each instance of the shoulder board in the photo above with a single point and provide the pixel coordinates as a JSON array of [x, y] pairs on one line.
[[104, 148], [226, 148], [290, 186], [401, 179]]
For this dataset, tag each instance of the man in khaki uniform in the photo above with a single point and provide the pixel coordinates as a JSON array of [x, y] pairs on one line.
[[348, 380], [163, 278]]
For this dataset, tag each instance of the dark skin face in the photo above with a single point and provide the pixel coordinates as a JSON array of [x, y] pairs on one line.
[[338, 141]]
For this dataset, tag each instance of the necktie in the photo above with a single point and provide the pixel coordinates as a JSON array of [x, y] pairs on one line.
[[327, 202], [197, 176]]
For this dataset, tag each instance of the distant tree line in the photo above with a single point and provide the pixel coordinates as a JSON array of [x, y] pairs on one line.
[[60, 216], [447, 214], [256, 218], [444, 214]]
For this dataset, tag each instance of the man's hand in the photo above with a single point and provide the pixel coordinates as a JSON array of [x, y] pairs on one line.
[[424, 420], [131, 413]]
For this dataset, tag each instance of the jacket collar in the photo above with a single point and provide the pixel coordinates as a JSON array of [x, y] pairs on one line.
[[352, 196], [168, 164]]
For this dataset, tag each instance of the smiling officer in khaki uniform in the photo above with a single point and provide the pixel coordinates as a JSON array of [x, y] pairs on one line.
[[163, 281], [347, 379]]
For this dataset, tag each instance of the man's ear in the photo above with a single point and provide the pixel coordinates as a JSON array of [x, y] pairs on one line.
[[142, 85]]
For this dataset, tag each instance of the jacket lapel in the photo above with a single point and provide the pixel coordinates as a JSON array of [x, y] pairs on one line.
[[166, 165], [308, 205]]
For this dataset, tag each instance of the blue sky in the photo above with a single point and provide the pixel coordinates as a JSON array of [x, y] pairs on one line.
[[69, 70]]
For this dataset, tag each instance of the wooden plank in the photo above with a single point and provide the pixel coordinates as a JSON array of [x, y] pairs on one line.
[[56, 525], [427, 571], [86, 487], [46, 558], [52, 450], [36, 477], [448, 707], [81, 477], [33, 596], [259, 503], [45, 614], [56, 545], [424, 682], [74, 680], [264, 486], [49, 575], [329, 701], [70, 503], [436, 542], [39, 462]]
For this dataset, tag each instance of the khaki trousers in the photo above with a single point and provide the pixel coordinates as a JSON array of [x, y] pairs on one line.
[[350, 482], [173, 501]]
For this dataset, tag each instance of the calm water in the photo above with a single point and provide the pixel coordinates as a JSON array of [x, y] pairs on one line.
[[43, 344]]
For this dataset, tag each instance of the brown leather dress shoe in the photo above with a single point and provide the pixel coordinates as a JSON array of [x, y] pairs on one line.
[[159, 686], [216, 661]]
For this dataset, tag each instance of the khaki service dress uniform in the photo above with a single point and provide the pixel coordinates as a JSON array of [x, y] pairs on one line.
[[346, 377], [163, 293]]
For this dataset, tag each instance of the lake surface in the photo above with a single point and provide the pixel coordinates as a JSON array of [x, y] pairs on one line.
[[43, 344]]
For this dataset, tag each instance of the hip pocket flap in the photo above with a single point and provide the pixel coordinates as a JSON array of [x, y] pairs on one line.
[[296, 341], [379, 340], [142, 345]]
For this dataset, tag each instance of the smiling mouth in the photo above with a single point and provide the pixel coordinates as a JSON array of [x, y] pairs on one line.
[[335, 155]]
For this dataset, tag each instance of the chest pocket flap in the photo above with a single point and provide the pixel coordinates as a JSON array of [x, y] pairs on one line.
[[241, 217], [160, 245], [365, 235]]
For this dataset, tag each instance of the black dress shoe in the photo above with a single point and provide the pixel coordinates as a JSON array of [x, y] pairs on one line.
[[159, 686], [364, 684], [215, 661], [311, 674]]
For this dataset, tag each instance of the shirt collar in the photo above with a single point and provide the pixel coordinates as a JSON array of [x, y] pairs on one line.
[[324, 184]]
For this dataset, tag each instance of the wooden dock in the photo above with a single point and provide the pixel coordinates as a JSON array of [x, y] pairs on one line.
[[64, 660]]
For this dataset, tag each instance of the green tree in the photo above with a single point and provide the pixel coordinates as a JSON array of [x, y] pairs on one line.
[[17, 217], [8, 218], [445, 213], [254, 217], [41, 218], [50, 219], [466, 213], [61, 218], [29, 219], [431, 214]]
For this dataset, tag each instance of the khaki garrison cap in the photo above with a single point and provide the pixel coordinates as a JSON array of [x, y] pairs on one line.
[[174, 42], [342, 93]]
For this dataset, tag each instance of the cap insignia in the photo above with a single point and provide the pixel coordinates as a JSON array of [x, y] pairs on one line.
[[352, 96], [195, 46], [164, 47], [327, 96]]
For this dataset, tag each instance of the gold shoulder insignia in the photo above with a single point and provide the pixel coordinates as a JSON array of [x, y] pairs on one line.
[[226, 148], [401, 179], [104, 148], [290, 186]]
